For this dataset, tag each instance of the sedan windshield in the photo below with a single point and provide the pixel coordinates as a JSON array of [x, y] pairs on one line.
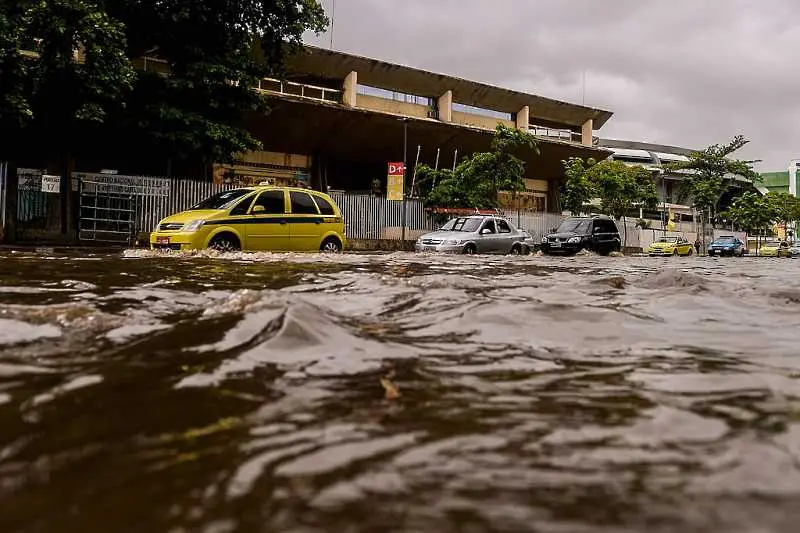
[[221, 200], [573, 226], [449, 225], [468, 225]]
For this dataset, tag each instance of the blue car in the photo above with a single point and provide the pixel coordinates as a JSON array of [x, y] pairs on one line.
[[726, 245]]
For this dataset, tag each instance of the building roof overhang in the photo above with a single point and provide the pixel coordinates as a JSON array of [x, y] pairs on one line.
[[297, 125], [332, 65]]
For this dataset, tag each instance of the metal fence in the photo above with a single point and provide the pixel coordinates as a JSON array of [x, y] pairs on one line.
[[371, 217]]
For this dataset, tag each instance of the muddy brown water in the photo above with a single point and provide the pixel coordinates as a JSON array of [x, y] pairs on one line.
[[398, 393]]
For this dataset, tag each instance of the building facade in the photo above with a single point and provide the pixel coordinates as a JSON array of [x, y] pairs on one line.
[[336, 120]]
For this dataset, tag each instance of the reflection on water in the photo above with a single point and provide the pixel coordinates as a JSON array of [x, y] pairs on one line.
[[398, 393]]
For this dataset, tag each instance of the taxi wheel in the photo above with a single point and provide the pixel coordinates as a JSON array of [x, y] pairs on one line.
[[225, 243], [331, 245]]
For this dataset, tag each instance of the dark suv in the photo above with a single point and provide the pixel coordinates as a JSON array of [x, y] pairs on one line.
[[596, 234]]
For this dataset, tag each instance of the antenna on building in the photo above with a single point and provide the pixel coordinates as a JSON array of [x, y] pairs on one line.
[[583, 96], [333, 17]]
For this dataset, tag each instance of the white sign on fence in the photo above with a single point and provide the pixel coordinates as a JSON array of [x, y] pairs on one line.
[[51, 184]]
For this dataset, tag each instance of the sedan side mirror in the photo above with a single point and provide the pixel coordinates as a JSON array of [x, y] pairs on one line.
[[258, 209]]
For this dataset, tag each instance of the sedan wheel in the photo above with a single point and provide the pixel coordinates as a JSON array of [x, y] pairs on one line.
[[469, 249]]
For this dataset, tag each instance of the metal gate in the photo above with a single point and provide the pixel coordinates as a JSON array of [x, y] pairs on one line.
[[3, 196], [106, 211], [37, 211]]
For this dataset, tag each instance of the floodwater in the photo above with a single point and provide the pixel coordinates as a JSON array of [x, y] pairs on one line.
[[398, 393]]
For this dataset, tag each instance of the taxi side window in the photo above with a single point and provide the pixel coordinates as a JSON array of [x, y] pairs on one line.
[[242, 207], [502, 226], [303, 204], [324, 205], [490, 226], [272, 202]]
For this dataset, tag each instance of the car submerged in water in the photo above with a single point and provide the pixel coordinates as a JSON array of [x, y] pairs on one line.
[[670, 246], [595, 234], [477, 235], [774, 249], [727, 245]]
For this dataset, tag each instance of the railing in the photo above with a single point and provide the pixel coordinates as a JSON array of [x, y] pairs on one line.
[[555, 133], [311, 92]]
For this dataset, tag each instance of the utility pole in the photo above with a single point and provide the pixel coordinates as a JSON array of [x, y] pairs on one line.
[[333, 17], [405, 164]]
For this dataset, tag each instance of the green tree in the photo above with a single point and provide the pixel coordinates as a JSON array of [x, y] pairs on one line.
[[216, 52], [477, 180], [709, 174], [578, 188], [622, 188], [753, 213], [785, 206], [63, 69]]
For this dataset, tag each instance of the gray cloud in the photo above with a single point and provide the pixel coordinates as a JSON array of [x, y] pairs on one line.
[[684, 72]]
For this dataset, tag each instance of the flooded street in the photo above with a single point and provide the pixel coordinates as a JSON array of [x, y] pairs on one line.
[[398, 393]]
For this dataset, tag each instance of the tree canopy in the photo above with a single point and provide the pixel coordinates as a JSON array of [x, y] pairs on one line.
[[752, 212], [214, 52], [709, 173], [477, 180], [619, 187]]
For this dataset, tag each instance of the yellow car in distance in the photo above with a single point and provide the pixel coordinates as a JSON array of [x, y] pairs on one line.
[[774, 249], [256, 219], [670, 246]]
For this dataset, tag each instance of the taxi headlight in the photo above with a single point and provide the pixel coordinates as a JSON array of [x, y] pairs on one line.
[[193, 226]]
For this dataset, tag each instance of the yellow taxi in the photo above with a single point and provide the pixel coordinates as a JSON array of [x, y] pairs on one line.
[[774, 249], [256, 219], [670, 246]]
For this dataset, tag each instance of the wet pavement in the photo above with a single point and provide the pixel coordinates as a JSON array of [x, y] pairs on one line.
[[387, 393]]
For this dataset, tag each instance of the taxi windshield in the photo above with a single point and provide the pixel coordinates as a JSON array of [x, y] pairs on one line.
[[220, 200]]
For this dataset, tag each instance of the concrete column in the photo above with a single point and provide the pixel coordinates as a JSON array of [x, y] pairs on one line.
[[350, 96], [446, 107], [586, 132], [524, 118]]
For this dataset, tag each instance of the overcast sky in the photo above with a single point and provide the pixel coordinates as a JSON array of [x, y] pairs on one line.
[[682, 72]]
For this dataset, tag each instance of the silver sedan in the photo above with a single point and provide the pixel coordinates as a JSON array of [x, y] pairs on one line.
[[477, 235]]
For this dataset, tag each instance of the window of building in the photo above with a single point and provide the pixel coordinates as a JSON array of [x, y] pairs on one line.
[[272, 202], [463, 108], [394, 95], [303, 204]]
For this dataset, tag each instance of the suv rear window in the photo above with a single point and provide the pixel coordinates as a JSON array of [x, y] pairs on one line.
[[303, 204], [606, 226], [324, 205]]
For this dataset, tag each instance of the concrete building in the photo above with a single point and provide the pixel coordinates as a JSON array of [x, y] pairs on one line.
[[338, 119], [785, 181]]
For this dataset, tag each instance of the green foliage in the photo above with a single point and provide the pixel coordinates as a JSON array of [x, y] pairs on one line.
[[476, 181], [786, 207], [708, 173], [752, 212], [578, 189], [215, 51], [53, 94], [620, 187]]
